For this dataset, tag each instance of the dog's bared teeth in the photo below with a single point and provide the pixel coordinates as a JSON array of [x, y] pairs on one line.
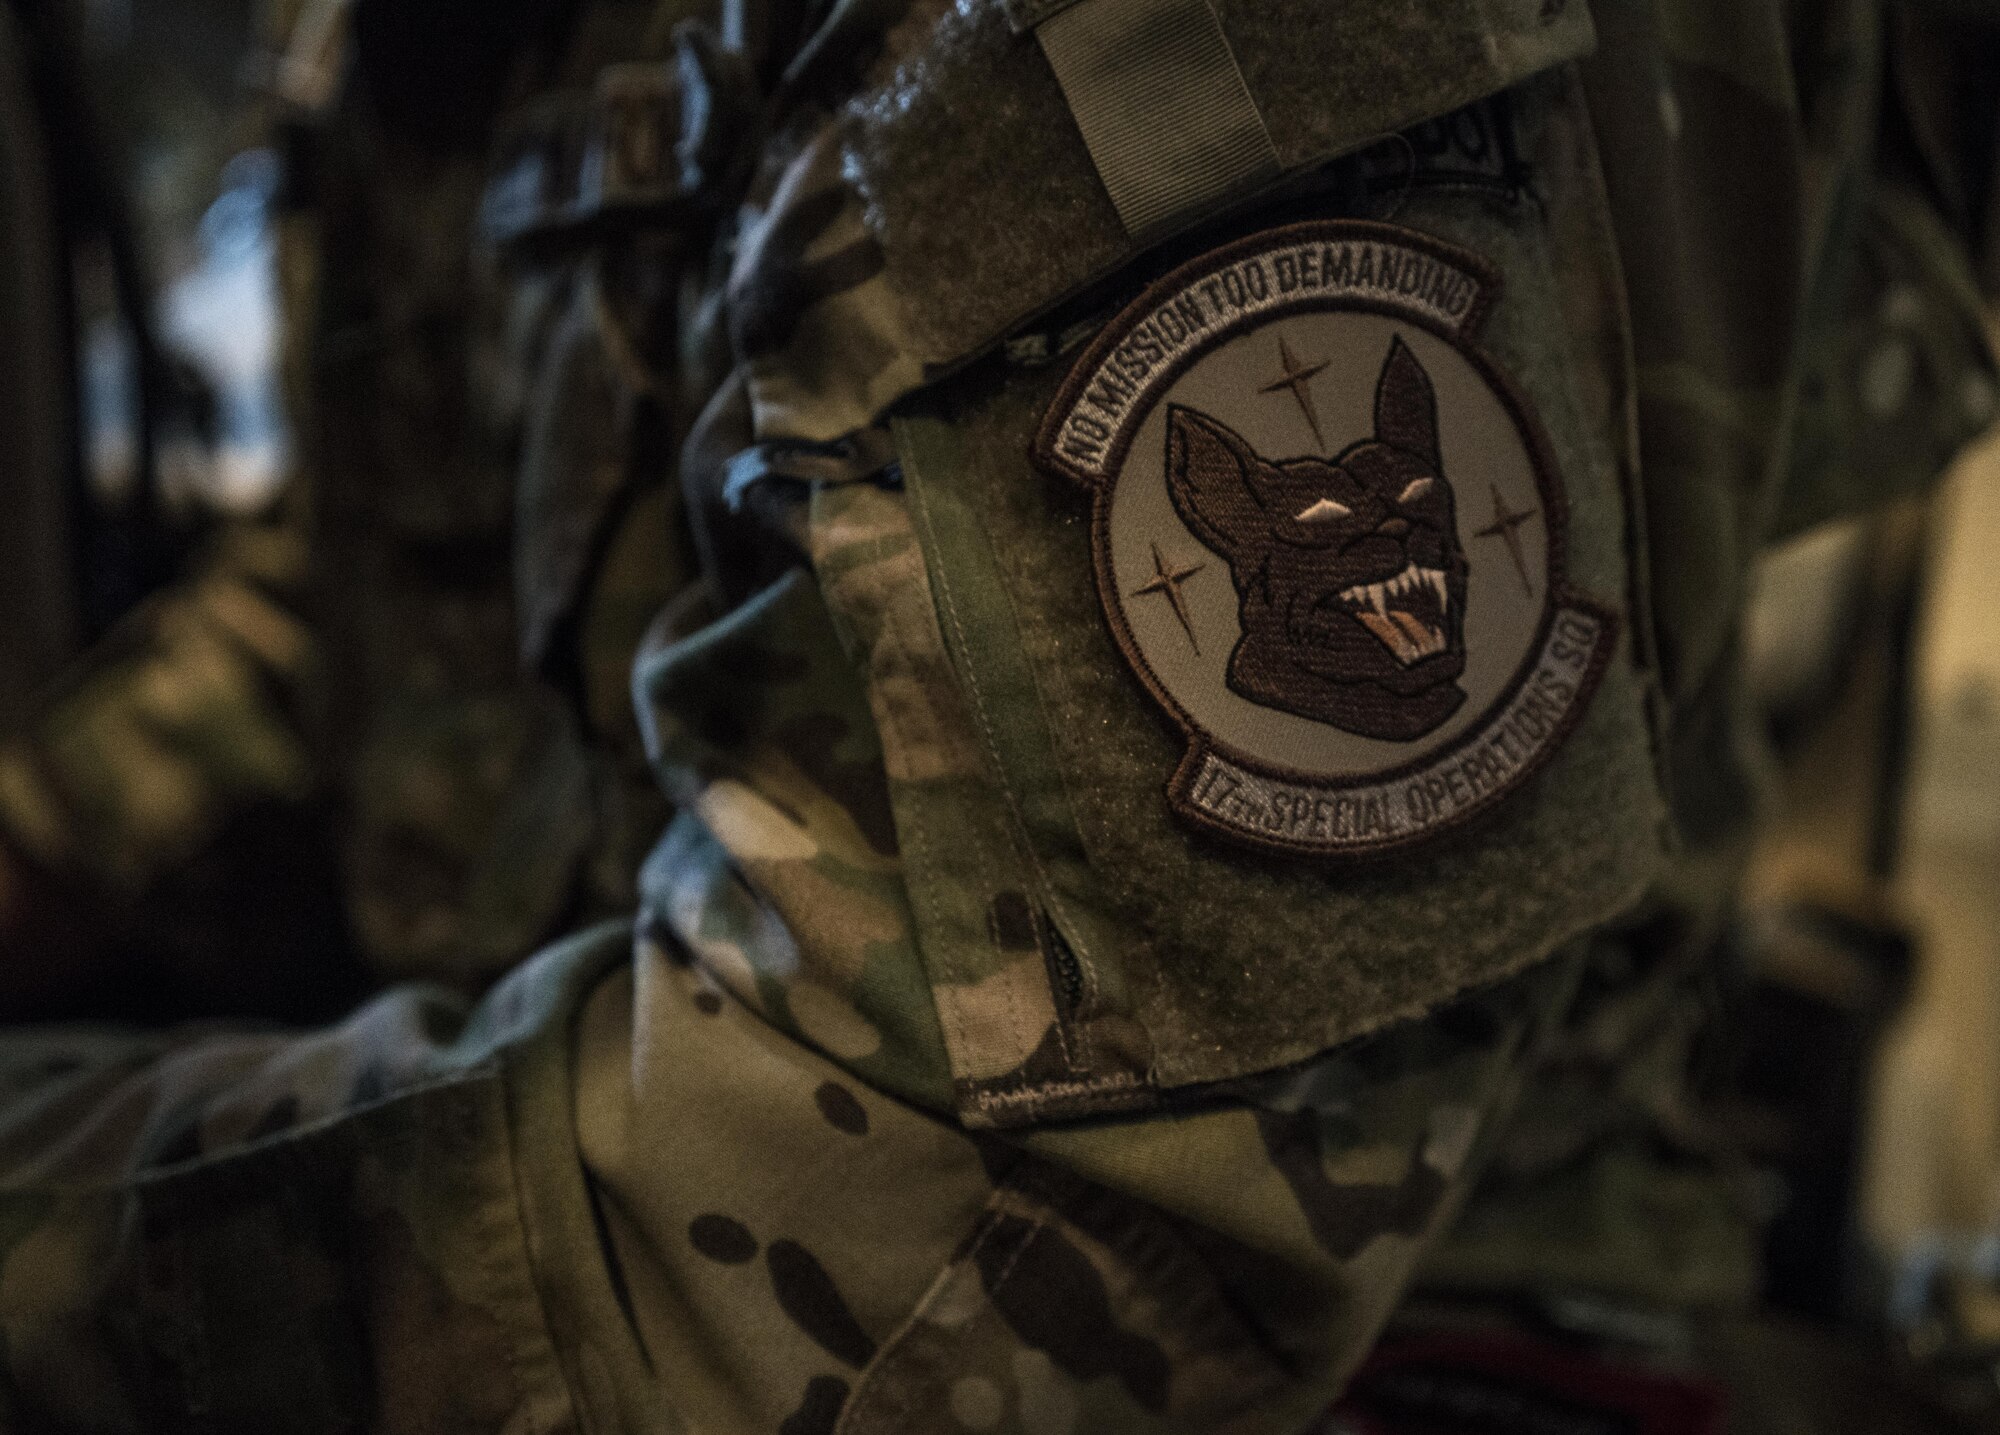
[[1391, 636], [1436, 580], [1378, 595]]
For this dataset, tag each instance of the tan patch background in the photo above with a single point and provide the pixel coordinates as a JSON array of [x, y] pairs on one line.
[[1482, 447]]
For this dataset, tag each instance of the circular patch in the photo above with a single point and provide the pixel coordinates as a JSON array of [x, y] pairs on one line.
[[1328, 537]]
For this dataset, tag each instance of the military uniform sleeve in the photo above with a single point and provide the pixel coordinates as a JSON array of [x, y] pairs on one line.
[[1224, 531], [1137, 811], [211, 1230], [982, 1060], [1263, 604]]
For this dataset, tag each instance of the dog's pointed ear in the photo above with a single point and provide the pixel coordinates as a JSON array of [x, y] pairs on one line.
[[1211, 479], [1406, 411]]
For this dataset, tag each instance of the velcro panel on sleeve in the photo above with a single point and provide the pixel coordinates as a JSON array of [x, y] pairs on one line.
[[1161, 105], [1308, 676], [957, 196]]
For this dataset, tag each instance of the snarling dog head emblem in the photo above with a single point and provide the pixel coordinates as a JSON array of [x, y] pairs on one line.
[[1349, 576]]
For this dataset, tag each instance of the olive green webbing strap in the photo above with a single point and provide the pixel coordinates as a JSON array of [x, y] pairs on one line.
[[1163, 108]]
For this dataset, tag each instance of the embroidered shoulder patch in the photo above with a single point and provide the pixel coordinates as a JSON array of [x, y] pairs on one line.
[[1329, 538]]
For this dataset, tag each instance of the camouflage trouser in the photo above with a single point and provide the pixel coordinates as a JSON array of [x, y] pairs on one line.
[[614, 1198]]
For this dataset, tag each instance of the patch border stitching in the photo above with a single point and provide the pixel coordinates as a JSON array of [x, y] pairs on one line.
[[1541, 458]]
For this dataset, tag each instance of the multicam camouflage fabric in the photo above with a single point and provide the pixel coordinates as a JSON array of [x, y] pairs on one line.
[[941, 1082]]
